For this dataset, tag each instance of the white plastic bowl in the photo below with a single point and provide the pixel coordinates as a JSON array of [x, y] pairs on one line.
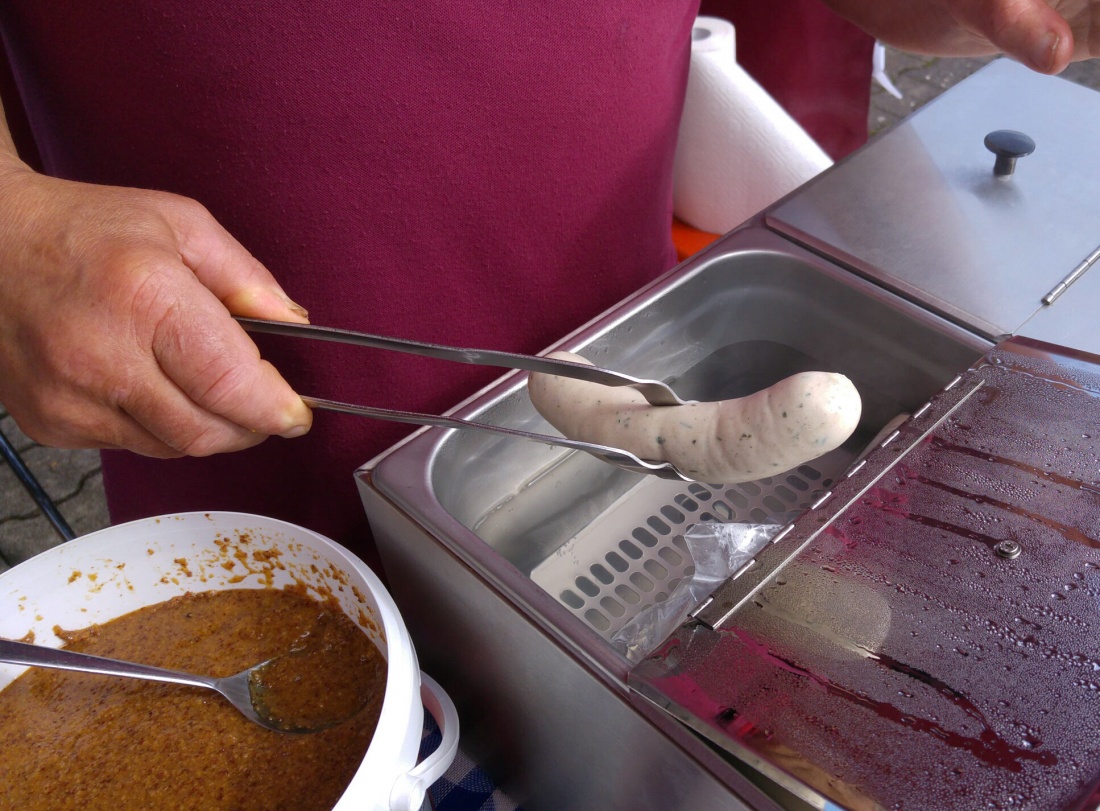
[[117, 570]]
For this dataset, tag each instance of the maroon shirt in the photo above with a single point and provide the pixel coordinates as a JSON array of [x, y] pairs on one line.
[[474, 173]]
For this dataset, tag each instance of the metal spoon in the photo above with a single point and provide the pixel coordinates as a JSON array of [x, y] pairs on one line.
[[245, 690]]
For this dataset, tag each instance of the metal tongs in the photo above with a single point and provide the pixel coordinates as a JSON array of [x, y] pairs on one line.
[[654, 391]]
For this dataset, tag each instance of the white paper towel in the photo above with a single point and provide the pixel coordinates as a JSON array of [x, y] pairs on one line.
[[738, 150]]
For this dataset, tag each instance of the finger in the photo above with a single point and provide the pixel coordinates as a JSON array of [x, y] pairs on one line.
[[151, 416], [68, 422], [127, 433], [1029, 31], [1086, 31], [163, 422], [227, 269], [217, 367]]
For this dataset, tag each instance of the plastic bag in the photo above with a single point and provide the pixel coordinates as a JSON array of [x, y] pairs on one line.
[[717, 550]]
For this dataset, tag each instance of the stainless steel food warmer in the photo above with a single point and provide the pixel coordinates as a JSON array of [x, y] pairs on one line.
[[924, 632]]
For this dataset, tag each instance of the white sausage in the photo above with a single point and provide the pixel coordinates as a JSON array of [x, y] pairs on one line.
[[766, 433]]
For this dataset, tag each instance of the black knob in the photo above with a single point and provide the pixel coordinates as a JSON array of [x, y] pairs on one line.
[[1008, 145]]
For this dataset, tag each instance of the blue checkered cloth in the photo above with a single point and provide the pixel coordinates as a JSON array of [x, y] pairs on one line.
[[465, 786]]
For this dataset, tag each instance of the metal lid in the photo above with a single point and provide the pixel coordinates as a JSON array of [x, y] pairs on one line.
[[930, 638], [923, 210]]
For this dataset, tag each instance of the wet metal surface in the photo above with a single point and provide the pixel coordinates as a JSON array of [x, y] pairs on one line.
[[936, 644]]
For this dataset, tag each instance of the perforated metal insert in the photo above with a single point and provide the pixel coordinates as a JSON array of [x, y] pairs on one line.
[[634, 554]]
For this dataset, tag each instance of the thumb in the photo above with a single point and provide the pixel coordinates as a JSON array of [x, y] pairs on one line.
[[1029, 31], [227, 269], [244, 287]]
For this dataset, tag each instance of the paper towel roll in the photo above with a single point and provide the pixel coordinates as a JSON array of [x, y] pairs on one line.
[[738, 150]]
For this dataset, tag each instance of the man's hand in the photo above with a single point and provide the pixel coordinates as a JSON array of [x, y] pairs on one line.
[[115, 327], [1045, 35]]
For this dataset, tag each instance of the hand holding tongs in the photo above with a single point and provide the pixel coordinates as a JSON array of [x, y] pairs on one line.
[[654, 391]]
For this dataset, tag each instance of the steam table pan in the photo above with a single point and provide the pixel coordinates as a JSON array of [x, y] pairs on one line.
[[537, 557]]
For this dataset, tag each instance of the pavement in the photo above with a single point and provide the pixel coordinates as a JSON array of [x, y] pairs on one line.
[[73, 479]]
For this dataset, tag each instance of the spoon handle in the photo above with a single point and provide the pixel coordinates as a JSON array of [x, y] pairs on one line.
[[23, 653]]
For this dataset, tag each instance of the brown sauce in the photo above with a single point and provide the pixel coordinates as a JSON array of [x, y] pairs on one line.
[[76, 740]]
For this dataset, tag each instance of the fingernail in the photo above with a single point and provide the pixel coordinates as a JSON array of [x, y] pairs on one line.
[[1043, 55], [298, 309], [295, 431]]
